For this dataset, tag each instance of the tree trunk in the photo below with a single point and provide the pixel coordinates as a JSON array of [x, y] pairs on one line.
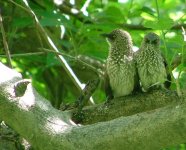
[[46, 128]]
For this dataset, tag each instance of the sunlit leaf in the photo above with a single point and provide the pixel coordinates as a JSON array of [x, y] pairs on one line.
[[148, 10], [162, 24]]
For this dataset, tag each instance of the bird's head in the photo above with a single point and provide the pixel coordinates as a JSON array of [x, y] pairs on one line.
[[118, 37], [151, 39]]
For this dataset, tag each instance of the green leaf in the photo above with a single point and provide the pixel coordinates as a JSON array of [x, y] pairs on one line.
[[162, 24], [49, 18], [111, 13], [50, 22], [52, 60], [22, 22], [148, 10], [114, 13]]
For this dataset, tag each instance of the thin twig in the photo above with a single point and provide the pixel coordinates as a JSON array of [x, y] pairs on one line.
[[51, 45], [20, 6], [157, 9], [130, 7], [5, 42], [25, 54], [58, 53], [97, 71], [75, 58]]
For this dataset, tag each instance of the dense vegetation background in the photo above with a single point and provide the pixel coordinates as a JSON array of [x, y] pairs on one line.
[[75, 27]]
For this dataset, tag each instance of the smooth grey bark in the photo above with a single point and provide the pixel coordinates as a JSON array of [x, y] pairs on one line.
[[46, 128]]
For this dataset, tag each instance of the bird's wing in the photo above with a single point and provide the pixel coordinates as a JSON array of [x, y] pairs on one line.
[[108, 90]]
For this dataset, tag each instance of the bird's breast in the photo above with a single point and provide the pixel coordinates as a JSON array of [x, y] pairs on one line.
[[121, 76]]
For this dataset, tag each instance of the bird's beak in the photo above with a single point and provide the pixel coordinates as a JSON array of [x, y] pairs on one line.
[[109, 36], [105, 35]]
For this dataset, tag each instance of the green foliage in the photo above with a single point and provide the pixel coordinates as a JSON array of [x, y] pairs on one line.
[[161, 24], [81, 35]]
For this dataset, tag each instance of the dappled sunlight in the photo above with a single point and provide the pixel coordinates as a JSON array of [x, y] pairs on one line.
[[7, 73], [72, 2], [62, 31], [170, 34], [74, 11], [176, 15], [123, 1], [57, 125], [74, 91], [42, 105], [58, 2], [85, 6], [184, 34], [73, 123], [175, 73]]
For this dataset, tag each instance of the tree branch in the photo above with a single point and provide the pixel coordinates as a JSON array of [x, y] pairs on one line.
[[141, 27], [7, 51], [43, 126], [87, 20], [129, 105]]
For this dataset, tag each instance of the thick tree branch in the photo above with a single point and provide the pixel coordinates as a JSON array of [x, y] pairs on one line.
[[129, 105], [47, 128]]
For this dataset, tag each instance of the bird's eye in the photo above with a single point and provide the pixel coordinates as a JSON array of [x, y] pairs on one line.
[[154, 42], [147, 41]]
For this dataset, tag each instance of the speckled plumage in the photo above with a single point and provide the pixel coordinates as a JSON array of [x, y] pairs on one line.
[[150, 63], [120, 66]]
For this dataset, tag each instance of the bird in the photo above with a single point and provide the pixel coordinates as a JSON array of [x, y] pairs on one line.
[[151, 65], [120, 72]]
